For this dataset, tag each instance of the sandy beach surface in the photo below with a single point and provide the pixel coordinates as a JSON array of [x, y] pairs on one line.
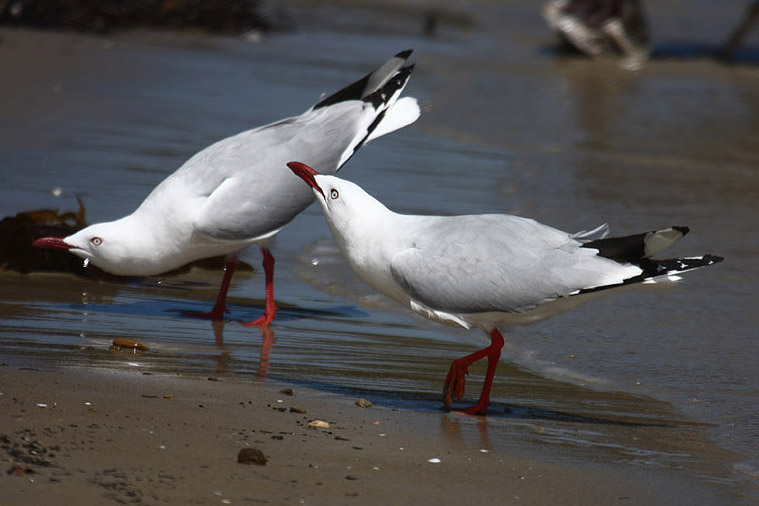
[[103, 437]]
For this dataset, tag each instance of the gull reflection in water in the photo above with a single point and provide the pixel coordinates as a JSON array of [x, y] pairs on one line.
[[222, 360], [456, 428]]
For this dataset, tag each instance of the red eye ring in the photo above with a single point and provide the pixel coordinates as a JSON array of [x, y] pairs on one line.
[[96, 241]]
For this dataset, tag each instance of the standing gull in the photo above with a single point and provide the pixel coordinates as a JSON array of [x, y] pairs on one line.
[[485, 270], [234, 193]]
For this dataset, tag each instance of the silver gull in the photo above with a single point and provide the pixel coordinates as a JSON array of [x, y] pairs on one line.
[[484, 271], [235, 192]]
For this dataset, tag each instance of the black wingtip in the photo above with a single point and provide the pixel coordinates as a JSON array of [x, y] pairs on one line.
[[673, 266], [383, 95], [712, 259], [632, 248], [681, 228], [357, 90], [653, 269]]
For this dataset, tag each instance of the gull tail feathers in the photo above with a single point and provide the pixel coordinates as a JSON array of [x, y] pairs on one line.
[[404, 112], [585, 236]]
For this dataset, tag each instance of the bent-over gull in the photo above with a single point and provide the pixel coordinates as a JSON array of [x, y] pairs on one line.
[[485, 270], [235, 192]]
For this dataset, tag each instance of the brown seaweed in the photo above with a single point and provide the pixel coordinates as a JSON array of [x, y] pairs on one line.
[[18, 232]]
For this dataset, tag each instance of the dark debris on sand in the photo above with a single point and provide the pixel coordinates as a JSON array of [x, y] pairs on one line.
[[18, 232], [102, 16]]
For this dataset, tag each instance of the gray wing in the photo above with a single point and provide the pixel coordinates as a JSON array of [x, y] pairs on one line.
[[472, 264], [255, 193], [240, 189]]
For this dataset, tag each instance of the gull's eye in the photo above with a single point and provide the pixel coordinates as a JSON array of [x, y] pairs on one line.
[[96, 241], [334, 194]]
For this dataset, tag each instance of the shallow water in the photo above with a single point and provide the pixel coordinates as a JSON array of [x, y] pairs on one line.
[[660, 377]]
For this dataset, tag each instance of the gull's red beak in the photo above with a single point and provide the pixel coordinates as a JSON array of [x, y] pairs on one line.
[[51, 243], [306, 173]]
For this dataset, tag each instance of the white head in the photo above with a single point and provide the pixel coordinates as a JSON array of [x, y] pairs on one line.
[[115, 247], [368, 233], [346, 206]]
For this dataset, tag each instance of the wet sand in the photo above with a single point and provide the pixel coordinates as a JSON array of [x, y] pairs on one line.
[[101, 437]]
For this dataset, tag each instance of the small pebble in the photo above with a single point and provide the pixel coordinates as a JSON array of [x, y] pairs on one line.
[[364, 403], [319, 423], [251, 456], [134, 344], [20, 470]]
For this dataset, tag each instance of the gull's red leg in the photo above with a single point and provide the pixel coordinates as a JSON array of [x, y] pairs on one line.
[[270, 311], [217, 313], [456, 378], [455, 381]]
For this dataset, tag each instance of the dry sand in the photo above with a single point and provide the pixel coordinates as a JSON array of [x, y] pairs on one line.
[[71, 436]]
